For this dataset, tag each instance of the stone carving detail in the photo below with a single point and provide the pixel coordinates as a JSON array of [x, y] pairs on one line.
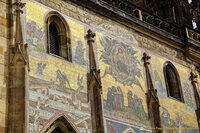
[[191, 34], [152, 98], [193, 79], [19, 65], [95, 88], [145, 16]]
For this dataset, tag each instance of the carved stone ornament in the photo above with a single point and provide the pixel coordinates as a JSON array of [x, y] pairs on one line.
[[95, 88], [152, 98]]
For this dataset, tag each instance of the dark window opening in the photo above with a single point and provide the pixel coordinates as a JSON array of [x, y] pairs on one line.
[[54, 41], [58, 41], [57, 130], [173, 82]]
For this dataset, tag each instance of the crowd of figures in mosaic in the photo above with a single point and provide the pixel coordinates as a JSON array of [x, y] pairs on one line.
[[115, 102], [124, 98], [48, 98], [35, 38], [169, 125], [116, 127]]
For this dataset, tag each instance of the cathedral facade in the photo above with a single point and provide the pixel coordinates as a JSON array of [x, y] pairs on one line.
[[95, 66]]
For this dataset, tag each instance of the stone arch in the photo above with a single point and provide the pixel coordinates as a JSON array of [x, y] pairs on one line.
[[64, 34], [60, 123]]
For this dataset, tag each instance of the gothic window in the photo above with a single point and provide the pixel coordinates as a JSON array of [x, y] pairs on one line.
[[58, 36], [172, 81]]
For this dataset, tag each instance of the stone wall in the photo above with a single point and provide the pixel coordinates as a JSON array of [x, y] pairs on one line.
[[57, 86], [4, 41], [54, 84]]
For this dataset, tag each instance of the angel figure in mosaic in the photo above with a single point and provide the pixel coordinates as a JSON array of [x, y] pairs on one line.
[[40, 69], [62, 77], [78, 90]]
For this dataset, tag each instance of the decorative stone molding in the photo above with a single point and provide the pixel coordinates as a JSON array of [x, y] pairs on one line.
[[95, 88], [18, 69], [153, 103], [193, 78]]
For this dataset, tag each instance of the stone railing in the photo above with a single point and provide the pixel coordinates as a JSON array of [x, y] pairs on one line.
[[193, 35], [145, 16]]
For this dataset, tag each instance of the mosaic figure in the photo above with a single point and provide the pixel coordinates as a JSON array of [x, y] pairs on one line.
[[78, 90], [165, 118], [178, 122], [188, 95], [36, 122], [112, 129], [40, 69], [121, 98], [110, 100], [130, 99], [121, 66], [34, 37], [78, 99], [60, 99], [135, 104], [115, 99], [142, 114], [79, 55], [116, 127], [177, 125], [41, 102], [115, 102], [53, 85], [122, 61], [159, 86], [61, 76], [50, 99], [86, 126], [80, 83], [43, 91]]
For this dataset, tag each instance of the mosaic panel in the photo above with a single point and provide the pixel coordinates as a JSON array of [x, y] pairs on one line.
[[169, 105], [56, 85], [116, 126], [123, 79]]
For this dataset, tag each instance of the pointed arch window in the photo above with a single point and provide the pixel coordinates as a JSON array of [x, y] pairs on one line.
[[172, 81], [58, 36]]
